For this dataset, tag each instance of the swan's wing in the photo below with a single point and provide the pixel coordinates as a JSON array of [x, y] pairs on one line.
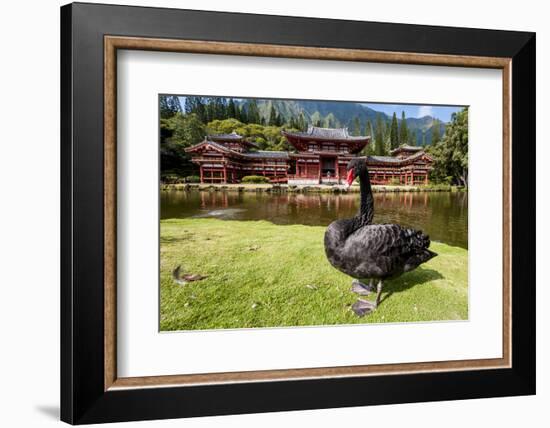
[[385, 249]]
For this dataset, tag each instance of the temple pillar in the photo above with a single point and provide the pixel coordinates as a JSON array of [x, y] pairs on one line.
[[201, 174]]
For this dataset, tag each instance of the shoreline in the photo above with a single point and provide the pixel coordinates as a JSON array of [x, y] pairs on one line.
[[319, 188]]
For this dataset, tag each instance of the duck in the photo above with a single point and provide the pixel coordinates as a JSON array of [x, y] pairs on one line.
[[373, 252]]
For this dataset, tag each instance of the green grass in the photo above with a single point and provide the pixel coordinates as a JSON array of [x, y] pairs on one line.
[[265, 275]]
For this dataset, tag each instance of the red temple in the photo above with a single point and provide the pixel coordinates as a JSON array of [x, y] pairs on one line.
[[321, 157]]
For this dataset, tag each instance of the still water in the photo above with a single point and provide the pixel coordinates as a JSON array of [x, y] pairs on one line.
[[443, 215]]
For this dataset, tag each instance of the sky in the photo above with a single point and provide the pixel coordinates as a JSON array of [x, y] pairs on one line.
[[416, 110], [442, 113]]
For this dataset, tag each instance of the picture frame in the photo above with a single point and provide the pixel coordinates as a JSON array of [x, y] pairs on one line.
[[91, 391]]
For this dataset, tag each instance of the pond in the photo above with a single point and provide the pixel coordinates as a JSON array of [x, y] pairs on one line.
[[442, 215]]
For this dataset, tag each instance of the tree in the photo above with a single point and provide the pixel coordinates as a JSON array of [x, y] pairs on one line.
[[412, 140], [403, 130], [424, 138], [272, 116], [177, 133], [253, 112], [394, 132], [450, 155], [369, 148], [232, 109], [356, 130], [197, 106], [169, 106], [436, 132], [379, 143], [302, 124]]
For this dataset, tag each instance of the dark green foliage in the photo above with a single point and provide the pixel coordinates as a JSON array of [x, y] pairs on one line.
[[451, 153], [272, 116], [436, 133], [232, 112], [356, 130], [169, 106], [254, 179], [412, 139], [394, 132], [302, 124], [192, 179], [252, 112], [177, 133], [265, 137], [369, 149], [379, 137], [403, 130]]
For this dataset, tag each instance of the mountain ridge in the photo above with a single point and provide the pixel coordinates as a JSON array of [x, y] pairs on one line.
[[338, 114]]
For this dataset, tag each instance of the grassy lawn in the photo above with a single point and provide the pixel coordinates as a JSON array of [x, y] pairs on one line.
[[265, 275]]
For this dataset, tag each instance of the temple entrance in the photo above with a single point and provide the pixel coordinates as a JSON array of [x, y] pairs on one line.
[[328, 167]]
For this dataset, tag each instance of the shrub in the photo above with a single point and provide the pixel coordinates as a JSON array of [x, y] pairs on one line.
[[255, 179], [394, 181], [171, 179], [192, 179]]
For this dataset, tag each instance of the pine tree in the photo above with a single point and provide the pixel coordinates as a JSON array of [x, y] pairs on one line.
[[196, 105], [436, 132], [394, 132], [356, 130], [302, 124], [403, 130], [253, 112], [232, 109], [424, 138], [369, 149], [272, 116], [379, 143]]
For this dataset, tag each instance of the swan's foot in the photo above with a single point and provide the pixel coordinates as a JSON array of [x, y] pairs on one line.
[[363, 307], [362, 289]]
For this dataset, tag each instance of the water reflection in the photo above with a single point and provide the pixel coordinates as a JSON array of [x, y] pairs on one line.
[[443, 215]]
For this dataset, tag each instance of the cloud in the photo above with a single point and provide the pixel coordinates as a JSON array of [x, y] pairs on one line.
[[425, 111]]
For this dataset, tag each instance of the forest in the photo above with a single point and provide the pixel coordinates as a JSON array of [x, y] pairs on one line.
[[261, 121]]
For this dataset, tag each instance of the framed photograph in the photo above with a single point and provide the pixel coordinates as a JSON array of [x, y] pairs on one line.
[[266, 213]]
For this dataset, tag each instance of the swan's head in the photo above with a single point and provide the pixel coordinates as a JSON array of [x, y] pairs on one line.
[[355, 168]]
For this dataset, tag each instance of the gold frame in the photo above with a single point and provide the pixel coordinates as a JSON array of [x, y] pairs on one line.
[[113, 43]]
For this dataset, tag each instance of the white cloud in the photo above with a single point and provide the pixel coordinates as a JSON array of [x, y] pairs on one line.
[[425, 111]]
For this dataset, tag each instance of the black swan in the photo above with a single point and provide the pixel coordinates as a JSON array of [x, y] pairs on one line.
[[364, 250]]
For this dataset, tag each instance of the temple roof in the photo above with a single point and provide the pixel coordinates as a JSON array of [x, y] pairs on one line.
[[251, 155], [225, 137], [406, 148], [333, 134], [267, 154], [397, 161]]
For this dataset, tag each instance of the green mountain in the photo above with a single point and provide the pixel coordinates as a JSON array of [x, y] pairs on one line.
[[334, 114]]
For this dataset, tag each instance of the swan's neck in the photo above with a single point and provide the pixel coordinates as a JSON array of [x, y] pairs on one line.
[[366, 210]]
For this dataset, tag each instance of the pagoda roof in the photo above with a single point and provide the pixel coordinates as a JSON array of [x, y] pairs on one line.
[[206, 142], [406, 148], [267, 154], [390, 160], [225, 137], [332, 134], [250, 155], [233, 138]]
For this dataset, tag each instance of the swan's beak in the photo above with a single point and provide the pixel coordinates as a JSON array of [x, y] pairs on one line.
[[350, 177]]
